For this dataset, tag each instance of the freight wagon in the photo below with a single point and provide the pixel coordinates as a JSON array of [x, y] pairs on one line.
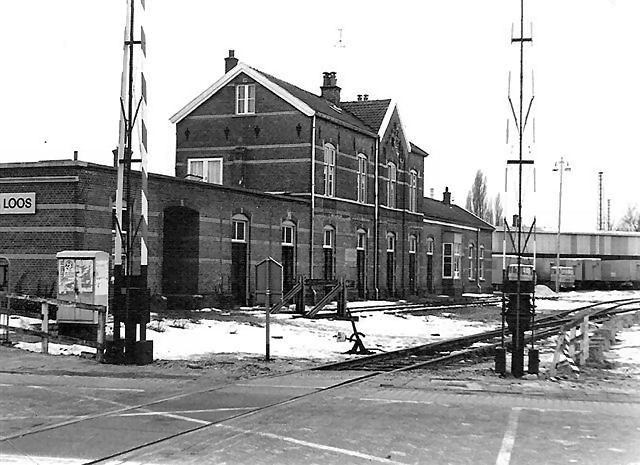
[[600, 260]]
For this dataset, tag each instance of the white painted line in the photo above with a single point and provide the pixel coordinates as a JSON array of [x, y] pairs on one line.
[[504, 456], [35, 459], [280, 386], [313, 445], [222, 409], [180, 417], [111, 389], [396, 401], [39, 417]]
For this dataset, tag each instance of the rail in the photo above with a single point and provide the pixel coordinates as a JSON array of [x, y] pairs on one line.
[[44, 333]]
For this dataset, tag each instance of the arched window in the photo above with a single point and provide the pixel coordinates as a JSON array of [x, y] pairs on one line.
[[328, 245], [329, 170], [430, 246], [413, 243], [391, 242], [239, 231], [413, 191], [288, 233], [362, 178], [362, 240], [391, 184]]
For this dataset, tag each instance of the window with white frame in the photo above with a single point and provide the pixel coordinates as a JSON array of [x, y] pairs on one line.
[[206, 169], [413, 191], [245, 99], [391, 242], [391, 185], [457, 257], [471, 249], [329, 237], [362, 178], [481, 263], [362, 240], [447, 260], [287, 234], [430, 246], [413, 244], [329, 170], [239, 231]]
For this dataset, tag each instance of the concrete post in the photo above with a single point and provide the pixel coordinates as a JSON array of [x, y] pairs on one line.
[[102, 324]]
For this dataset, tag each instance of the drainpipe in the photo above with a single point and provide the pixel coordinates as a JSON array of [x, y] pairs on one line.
[[478, 260], [313, 196], [376, 214]]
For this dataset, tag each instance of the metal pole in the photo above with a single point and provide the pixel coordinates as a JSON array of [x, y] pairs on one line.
[[268, 308], [561, 168]]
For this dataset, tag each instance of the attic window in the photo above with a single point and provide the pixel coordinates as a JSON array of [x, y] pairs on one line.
[[336, 108], [245, 99]]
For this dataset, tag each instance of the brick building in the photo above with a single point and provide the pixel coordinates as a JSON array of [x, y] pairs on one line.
[[263, 168]]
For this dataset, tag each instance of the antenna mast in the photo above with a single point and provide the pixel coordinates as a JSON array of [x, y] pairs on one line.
[[600, 198], [520, 306]]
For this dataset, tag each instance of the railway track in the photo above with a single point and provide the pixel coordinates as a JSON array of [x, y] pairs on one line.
[[475, 345]]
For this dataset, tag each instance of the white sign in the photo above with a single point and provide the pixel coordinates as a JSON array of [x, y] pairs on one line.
[[18, 204]]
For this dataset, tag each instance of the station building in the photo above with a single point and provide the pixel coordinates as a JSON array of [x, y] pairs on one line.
[[330, 188]]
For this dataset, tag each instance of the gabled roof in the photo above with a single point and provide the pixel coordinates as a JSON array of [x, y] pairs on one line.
[[224, 80], [439, 211], [370, 112]]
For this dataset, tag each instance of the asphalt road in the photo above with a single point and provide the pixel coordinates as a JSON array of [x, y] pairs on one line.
[[308, 418]]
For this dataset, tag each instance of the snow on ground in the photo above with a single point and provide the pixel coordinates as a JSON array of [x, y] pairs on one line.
[[318, 338]]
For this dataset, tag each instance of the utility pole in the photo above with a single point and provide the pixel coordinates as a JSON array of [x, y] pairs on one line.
[[130, 291], [559, 166]]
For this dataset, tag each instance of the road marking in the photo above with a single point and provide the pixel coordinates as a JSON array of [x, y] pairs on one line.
[[396, 401], [22, 459], [222, 409], [39, 417], [35, 386], [504, 456], [111, 389], [279, 386], [314, 445]]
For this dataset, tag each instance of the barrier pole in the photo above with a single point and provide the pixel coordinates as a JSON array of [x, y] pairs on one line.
[[45, 327], [102, 324]]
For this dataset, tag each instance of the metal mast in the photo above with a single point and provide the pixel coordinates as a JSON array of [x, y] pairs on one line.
[[133, 109], [521, 121]]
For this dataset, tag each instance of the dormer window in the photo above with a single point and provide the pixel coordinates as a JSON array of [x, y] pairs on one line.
[[245, 99]]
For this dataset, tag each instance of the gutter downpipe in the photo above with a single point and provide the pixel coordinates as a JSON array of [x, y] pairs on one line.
[[376, 214], [478, 261], [313, 196]]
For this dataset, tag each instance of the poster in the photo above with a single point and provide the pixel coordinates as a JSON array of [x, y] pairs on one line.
[[84, 276], [67, 276]]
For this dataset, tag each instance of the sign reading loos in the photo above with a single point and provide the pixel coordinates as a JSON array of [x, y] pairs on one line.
[[18, 204]]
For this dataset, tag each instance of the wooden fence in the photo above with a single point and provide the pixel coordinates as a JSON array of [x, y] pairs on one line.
[[44, 333]]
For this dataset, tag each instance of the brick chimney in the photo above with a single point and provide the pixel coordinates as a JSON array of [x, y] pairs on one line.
[[446, 196], [329, 89], [230, 62]]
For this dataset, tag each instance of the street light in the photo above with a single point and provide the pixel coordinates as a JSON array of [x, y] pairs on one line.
[[559, 166]]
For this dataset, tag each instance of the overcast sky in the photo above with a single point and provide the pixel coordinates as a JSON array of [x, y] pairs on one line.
[[446, 63]]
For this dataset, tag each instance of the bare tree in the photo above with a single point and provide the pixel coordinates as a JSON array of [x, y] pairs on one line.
[[498, 212], [630, 221], [477, 198]]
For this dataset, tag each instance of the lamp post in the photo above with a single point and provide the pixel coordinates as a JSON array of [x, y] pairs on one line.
[[559, 166]]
